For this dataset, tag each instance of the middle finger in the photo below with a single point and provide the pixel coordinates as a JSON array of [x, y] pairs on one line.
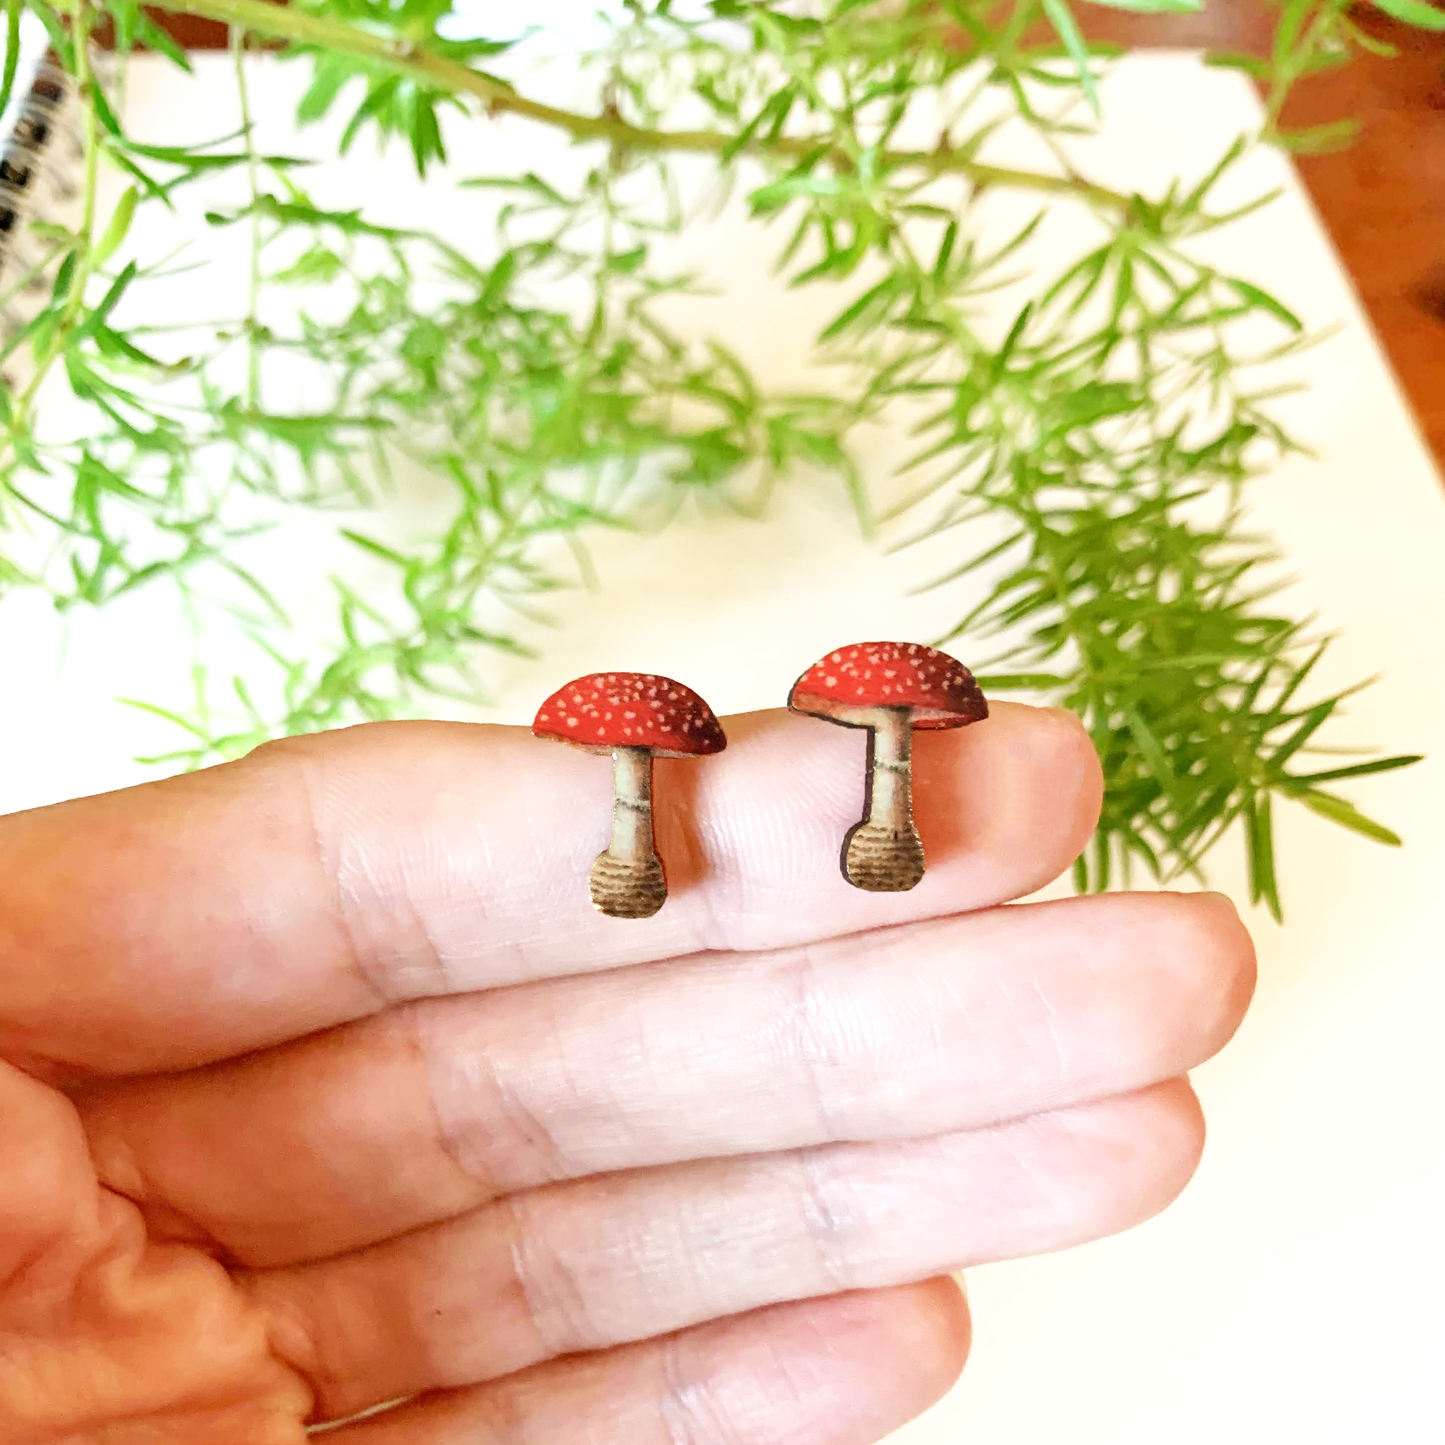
[[433, 1110]]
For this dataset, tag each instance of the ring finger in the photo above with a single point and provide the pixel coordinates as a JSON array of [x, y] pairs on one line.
[[591, 1264]]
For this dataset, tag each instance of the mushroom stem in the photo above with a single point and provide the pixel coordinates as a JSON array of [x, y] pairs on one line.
[[890, 790], [632, 805], [627, 879], [884, 853]]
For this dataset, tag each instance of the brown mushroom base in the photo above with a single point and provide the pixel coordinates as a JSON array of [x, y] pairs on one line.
[[626, 888], [881, 859]]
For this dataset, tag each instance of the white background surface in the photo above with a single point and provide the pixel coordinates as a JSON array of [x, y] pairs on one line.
[[1293, 1293]]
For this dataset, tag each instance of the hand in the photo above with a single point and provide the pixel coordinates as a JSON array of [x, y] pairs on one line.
[[326, 1086]]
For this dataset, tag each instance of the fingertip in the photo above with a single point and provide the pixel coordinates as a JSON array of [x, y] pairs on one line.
[[1153, 1141], [899, 1349], [1016, 803], [1177, 1144], [1068, 756], [1210, 951], [940, 1335]]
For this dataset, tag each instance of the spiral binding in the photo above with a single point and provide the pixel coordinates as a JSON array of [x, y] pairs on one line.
[[38, 148]]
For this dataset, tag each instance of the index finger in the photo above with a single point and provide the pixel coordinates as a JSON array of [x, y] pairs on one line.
[[324, 878]]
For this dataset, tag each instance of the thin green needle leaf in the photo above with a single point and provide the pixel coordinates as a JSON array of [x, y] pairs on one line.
[[1259, 828], [1265, 302], [1022, 681], [13, 11], [116, 228], [1061, 18], [1413, 12], [1150, 746], [1337, 810], [1153, 7], [171, 717], [1360, 770]]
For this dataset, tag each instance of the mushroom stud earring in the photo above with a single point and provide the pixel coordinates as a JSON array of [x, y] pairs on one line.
[[890, 688], [635, 716]]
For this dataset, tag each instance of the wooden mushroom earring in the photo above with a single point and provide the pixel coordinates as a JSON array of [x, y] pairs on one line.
[[635, 716], [890, 688]]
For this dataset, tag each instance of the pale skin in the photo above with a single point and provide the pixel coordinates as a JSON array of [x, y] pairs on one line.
[[324, 1085]]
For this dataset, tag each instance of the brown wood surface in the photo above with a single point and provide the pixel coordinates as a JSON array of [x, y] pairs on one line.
[[1383, 201], [1382, 198]]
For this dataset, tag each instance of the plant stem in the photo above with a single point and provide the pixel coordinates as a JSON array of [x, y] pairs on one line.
[[283, 23], [253, 293]]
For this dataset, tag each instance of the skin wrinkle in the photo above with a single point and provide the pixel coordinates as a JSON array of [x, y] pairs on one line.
[[810, 1039], [792, 1371], [284, 754], [990, 1044], [561, 1294], [823, 1224], [1050, 1023], [420, 967], [462, 1072], [1014, 1144], [758, 819], [409, 969], [549, 1157], [688, 1410], [410, 1026], [291, 1332], [807, 1036], [531, 847], [649, 1079]]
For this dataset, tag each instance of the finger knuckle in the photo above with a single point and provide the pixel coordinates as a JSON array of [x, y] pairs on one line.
[[553, 1293]]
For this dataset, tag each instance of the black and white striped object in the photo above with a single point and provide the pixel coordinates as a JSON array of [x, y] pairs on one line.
[[38, 154]]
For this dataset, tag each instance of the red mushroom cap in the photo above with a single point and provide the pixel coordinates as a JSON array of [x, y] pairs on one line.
[[607, 710], [847, 685]]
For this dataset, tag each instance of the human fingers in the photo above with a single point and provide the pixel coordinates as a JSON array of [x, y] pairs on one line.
[[326, 878], [595, 1263], [846, 1370], [104, 1334], [397, 1121]]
